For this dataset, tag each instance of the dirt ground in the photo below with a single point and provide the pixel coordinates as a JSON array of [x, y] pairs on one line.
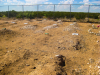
[[47, 47]]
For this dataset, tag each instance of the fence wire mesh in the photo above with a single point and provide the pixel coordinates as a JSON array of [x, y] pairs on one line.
[[78, 11]]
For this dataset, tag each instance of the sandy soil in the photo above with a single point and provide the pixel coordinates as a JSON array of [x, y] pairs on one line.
[[31, 47]]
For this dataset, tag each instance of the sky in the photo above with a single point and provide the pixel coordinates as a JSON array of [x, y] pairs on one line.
[[74, 8]]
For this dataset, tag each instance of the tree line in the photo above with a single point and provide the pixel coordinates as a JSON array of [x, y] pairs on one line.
[[49, 14]]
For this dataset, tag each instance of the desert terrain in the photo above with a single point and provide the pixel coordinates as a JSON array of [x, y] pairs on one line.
[[47, 47]]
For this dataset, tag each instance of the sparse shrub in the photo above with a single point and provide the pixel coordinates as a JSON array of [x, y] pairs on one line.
[[44, 17], [74, 19], [19, 16], [13, 13], [65, 17], [3, 16], [86, 19], [99, 16]]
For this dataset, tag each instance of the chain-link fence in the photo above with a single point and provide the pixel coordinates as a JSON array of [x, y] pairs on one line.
[[69, 11]]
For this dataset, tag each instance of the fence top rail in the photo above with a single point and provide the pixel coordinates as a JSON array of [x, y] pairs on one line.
[[52, 4]]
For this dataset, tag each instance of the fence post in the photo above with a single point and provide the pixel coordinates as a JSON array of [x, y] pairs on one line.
[[88, 12], [54, 11], [23, 11], [37, 10], [70, 12], [8, 11]]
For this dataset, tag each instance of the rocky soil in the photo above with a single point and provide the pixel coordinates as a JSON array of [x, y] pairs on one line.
[[47, 47]]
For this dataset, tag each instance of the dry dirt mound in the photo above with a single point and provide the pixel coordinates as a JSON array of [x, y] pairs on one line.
[[6, 34], [46, 28], [72, 42], [5, 31], [72, 27], [33, 27]]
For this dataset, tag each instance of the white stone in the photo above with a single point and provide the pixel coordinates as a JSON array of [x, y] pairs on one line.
[[25, 23], [90, 66], [54, 24], [74, 33], [98, 41], [87, 63], [99, 67], [57, 55], [92, 32], [27, 65], [58, 21], [13, 22]]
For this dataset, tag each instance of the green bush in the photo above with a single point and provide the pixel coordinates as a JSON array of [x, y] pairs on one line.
[[13, 13], [19, 16], [3, 16], [50, 14]]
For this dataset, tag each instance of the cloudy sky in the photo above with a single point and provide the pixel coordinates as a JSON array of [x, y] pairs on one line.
[[23, 2], [80, 8]]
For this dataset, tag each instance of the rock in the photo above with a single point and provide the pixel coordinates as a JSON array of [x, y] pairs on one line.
[[14, 22], [93, 26], [98, 34], [91, 61], [57, 55], [98, 41], [87, 63], [62, 48], [75, 34], [27, 64], [25, 23], [7, 51], [59, 21], [98, 67]]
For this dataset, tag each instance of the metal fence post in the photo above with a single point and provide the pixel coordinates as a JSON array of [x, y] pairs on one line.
[[88, 12], [37, 11], [70, 12], [23, 10], [8, 11], [54, 12]]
